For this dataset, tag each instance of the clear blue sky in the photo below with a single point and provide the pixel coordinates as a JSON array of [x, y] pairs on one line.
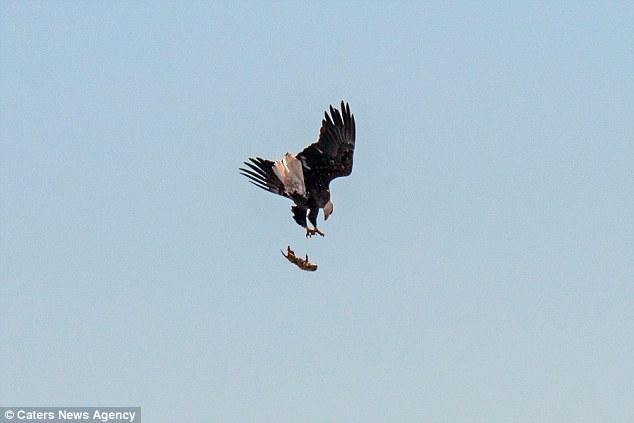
[[479, 263]]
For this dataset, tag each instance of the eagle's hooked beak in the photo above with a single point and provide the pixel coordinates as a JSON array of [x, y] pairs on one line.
[[328, 209]]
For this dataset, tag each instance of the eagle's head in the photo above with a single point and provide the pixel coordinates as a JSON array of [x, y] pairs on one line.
[[328, 209]]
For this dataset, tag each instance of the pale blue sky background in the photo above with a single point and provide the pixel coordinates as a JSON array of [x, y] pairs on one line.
[[479, 264]]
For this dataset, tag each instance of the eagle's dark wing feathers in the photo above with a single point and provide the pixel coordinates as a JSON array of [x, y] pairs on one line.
[[331, 156], [260, 174]]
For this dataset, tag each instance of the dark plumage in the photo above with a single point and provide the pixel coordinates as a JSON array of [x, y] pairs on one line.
[[305, 178]]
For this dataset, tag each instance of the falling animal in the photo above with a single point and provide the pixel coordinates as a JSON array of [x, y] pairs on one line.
[[305, 177], [303, 264]]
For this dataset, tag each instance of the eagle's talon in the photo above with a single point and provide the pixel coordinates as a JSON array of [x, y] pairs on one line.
[[314, 231]]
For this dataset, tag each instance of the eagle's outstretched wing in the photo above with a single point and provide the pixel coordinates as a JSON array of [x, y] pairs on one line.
[[261, 174], [331, 155]]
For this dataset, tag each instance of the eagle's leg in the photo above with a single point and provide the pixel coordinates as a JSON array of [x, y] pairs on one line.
[[312, 218]]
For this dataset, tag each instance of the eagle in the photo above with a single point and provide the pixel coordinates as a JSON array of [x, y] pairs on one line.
[[305, 177]]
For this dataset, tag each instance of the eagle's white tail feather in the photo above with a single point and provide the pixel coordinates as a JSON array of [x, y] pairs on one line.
[[289, 170]]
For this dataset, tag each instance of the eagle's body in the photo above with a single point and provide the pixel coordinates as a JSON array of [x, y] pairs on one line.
[[305, 178]]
